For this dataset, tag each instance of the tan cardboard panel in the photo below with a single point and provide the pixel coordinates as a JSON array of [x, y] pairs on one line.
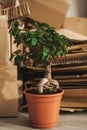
[[8, 91], [56, 4], [74, 92], [52, 12], [4, 41], [77, 25], [0, 9], [86, 93], [75, 102]]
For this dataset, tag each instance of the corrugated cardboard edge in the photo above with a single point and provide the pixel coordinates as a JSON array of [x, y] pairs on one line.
[[72, 35], [72, 109]]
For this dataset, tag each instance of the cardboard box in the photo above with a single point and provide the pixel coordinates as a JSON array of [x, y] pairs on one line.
[[51, 12], [77, 25], [8, 91]]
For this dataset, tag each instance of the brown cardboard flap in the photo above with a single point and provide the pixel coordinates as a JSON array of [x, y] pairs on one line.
[[51, 12], [56, 5]]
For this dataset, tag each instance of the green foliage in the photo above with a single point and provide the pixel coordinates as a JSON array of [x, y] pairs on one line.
[[44, 44]]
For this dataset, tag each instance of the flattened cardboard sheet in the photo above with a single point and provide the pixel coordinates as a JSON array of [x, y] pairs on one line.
[[8, 91], [76, 24]]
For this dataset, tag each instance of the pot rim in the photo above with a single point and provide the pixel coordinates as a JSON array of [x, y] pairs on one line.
[[43, 95]]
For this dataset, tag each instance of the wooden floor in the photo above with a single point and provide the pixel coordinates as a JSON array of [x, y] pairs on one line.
[[67, 121]]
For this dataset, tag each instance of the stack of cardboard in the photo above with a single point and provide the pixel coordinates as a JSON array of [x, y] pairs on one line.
[[77, 97], [74, 73]]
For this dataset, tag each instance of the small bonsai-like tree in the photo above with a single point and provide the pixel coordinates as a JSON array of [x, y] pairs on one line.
[[40, 47]]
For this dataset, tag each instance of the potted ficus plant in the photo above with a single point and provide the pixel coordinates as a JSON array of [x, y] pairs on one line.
[[40, 47]]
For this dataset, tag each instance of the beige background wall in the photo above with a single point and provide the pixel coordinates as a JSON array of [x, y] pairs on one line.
[[78, 8]]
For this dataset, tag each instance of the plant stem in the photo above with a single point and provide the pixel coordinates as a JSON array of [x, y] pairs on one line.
[[48, 72]]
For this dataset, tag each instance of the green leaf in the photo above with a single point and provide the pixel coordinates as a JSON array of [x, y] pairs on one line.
[[34, 41], [17, 52], [60, 53], [36, 24], [12, 56], [16, 23], [45, 25], [18, 60], [27, 40], [45, 53], [44, 43]]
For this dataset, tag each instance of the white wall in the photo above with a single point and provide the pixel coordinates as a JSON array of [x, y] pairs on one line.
[[78, 8]]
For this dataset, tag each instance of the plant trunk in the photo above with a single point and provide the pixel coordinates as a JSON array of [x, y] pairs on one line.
[[48, 72]]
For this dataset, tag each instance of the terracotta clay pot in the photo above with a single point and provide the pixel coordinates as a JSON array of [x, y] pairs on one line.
[[43, 109]]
